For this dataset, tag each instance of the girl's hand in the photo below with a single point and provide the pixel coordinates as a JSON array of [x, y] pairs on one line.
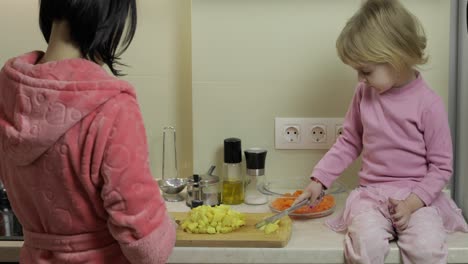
[[400, 211], [312, 191], [400, 214]]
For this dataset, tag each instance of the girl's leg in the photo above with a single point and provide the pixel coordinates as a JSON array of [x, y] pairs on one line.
[[367, 239], [424, 240]]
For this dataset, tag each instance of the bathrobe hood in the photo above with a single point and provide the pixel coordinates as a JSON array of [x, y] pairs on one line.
[[37, 107]]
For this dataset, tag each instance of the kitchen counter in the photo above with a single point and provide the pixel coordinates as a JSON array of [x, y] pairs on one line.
[[311, 242]]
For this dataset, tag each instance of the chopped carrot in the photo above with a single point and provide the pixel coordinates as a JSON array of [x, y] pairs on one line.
[[284, 203]]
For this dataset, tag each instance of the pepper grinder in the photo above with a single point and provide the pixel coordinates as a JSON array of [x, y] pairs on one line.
[[255, 161], [197, 199]]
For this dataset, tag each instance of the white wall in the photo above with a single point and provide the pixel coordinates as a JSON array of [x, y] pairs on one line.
[[159, 60], [254, 60]]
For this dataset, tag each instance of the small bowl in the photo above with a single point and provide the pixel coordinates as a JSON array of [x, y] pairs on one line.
[[171, 188], [305, 215]]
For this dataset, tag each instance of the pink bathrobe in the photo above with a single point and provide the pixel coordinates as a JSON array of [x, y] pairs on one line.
[[74, 160]]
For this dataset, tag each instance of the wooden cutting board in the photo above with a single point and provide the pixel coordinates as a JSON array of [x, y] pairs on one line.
[[246, 236]]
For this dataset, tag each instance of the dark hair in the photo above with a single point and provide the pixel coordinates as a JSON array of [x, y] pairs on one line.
[[96, 26]]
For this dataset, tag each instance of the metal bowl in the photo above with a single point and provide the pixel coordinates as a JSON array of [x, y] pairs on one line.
[[171, 188]]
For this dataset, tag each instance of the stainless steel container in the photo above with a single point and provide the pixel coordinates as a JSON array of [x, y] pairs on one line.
[[10, 227], [209, 190]]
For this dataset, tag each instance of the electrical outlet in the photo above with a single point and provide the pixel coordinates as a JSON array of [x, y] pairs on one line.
[[306, 133], [319, 133], [292, 133], [338, 131], [288, 133]]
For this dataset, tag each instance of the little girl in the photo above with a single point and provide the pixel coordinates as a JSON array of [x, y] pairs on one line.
[[73, 149], [400, 127]]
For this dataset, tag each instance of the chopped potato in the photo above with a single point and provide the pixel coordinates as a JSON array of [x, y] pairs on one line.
[[212, 220], [270, 227]]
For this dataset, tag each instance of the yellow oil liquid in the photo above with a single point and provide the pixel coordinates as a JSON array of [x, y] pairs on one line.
[[233, 192]]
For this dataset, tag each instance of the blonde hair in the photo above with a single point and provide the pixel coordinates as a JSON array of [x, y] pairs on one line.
[[382, 31]]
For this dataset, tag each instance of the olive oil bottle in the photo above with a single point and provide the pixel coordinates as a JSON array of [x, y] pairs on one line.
[[233, 179], [233, 192]]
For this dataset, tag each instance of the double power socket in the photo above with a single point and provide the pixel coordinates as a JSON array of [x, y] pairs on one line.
[[307, 133]]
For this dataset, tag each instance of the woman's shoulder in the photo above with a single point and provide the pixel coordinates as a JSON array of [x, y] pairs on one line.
[[122, 102]]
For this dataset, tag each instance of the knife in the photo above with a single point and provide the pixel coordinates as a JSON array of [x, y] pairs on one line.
[[277, 216]]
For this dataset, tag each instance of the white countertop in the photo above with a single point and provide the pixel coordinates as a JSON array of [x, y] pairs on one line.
[[311, 242]]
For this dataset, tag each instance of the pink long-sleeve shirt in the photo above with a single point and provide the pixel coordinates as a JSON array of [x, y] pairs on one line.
[[403, 136], [74, 160]]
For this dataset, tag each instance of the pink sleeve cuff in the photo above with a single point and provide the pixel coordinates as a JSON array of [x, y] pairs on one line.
[[322, 177], [423, 195], [154, 248]]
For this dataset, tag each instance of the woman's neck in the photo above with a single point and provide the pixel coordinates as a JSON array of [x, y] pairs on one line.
[[60, 44]]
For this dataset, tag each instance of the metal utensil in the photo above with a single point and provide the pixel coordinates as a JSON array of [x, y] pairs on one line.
[[277, 216], [210, 170], [172, 186]]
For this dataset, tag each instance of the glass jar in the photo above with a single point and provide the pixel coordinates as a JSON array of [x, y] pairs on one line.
[[252, 195], [209, 188]]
